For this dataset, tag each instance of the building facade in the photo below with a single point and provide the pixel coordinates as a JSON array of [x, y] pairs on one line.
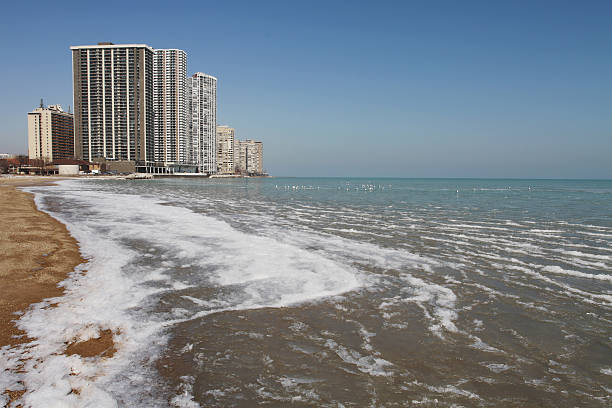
[[170, 106], [202, 114], [113, 102], [249, 157], [225, 150], [50, 133]]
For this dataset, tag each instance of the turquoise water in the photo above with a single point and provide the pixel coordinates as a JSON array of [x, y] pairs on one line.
[[343, 291]]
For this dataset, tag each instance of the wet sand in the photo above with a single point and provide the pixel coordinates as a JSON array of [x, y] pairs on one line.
[[38, 252]]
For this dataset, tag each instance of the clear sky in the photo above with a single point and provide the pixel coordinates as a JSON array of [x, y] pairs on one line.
[[348, 88]]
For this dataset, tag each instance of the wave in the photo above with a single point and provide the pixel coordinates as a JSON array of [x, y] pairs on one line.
[[138, 249]]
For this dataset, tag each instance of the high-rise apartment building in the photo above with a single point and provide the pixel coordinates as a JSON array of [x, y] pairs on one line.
[[50, 133], [170, 106], [113, 102], [225, 150], [202, 114], [249, 157]]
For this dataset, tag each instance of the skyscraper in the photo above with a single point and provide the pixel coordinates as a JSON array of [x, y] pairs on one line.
[[202, 113], [225, 150], [50, 133], [170, 106], [113, 102]]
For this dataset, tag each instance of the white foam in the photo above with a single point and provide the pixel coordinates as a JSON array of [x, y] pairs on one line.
[[560, 271], [96, 300], [117, 292], [493, 292], [368, 364], [296, 385], [595, 234], [441, 298], [473, 226], [497, 367], [580, 254], [582, 295], [448, 389], [184, 398], [437, 301], [481, 345]]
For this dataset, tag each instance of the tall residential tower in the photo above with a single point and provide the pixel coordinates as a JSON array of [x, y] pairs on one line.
[[113, 102], [202, 113], [170, 106]]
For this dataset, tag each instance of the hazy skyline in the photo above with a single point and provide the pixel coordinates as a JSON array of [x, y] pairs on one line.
[[445, 89]]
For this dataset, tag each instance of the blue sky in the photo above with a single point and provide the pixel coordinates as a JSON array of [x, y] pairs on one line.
[[347, 88]]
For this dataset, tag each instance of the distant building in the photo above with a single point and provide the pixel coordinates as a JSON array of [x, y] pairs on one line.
[[249, 157], [202, 114], [113, 102], [50, 133], [241, 156], [170, 106], [225, 150]]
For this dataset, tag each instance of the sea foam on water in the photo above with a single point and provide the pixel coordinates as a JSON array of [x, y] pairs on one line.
[[407, 293], [115, 291]]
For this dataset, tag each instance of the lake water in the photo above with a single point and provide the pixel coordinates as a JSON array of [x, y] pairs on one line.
[[332, 292]]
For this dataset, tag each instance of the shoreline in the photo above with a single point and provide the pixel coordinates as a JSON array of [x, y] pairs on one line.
[[40, 253]]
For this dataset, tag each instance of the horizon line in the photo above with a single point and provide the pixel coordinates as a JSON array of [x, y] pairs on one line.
[[453, 178]]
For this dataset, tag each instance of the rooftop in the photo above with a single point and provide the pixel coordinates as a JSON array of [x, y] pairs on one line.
[[109, 45], [201, 74]]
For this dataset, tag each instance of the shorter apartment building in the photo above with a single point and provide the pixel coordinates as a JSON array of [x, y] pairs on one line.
[[225, 150], [50, 133], [249, 157]]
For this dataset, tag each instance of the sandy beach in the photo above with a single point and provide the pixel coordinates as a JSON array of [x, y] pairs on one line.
[[37, 253]]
